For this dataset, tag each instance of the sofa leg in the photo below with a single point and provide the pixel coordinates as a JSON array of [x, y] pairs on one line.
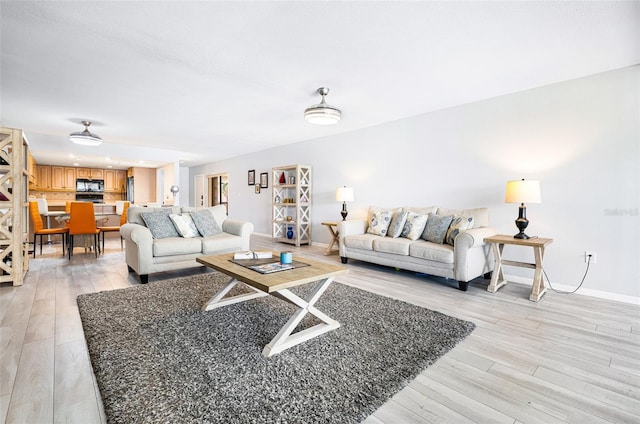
[[144, 278], [487, 275], [463, 285], [129, 269], [344, 259]]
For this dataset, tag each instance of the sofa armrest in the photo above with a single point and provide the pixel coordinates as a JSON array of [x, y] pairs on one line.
[[474, 237], [353, 226], [237, 227], [348, 228], [138, 247], [472, 256], [243, 229]]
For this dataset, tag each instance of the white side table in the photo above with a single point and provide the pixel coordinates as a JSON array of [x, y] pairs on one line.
[[538, 244], [333, 229]]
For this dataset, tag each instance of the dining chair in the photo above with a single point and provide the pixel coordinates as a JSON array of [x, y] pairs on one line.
[[39, 230], [82, 221], [123, 220]]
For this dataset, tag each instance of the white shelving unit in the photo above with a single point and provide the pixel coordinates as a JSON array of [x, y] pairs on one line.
[[291, 204], [14, 205]]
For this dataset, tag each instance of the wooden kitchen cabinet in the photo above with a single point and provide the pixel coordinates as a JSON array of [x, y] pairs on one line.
[[121, 180], [114, 180], [43, 176], [92, 173], [32, 170], [63, 178]]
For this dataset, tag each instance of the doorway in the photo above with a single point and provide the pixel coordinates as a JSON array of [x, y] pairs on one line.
[[218, 190]]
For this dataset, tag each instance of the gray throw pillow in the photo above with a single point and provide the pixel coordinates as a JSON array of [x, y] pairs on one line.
[[459, 223], [397, 224], [160, 224], [205, 223], [436, 228]]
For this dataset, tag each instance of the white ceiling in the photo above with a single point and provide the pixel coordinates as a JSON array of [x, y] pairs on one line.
[[205, 81]]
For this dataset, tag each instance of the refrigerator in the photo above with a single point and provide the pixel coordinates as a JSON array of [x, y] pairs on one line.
[[130, 189]]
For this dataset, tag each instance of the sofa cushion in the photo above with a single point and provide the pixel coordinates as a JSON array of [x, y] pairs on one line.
[[397, 224], [219, 212], [414, 226], [397, 246], [480, 215], [458, 223], [360, 241], [205, 222], [420, 210], [221, 242], [431, 251], [379, 222], [172, 246], [134, 213], [184, 225], [436, 228], [160, 224]]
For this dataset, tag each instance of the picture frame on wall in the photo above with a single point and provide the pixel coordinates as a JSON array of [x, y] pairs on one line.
[[252, 177], [257, 188], [264, 180]]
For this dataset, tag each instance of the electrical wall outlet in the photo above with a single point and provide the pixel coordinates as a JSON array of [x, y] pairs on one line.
[[589, 257]]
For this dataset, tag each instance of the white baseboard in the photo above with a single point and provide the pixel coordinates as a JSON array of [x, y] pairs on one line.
[[527, 281], [583, 291]]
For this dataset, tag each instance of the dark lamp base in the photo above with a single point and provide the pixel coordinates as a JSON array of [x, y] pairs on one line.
[[344, 212], [522, 223]]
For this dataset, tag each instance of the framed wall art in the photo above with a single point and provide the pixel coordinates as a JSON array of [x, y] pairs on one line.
[[252, 177], [264, 180]]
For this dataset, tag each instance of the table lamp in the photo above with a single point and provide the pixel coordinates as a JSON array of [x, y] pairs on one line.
[[344, 195], [522, 192], [174, 190]]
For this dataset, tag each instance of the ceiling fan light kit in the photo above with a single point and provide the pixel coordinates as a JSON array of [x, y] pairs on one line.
[[85, 137], [322, 113]]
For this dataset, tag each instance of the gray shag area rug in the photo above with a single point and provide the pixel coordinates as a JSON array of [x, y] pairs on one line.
[[158, 358]]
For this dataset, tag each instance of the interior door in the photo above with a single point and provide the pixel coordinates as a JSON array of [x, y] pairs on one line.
[[199, 192]]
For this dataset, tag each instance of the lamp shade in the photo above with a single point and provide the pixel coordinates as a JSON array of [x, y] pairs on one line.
[[344, 194], [522, 191]]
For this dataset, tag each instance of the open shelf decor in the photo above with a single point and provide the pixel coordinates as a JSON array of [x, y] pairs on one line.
[[291, 204]]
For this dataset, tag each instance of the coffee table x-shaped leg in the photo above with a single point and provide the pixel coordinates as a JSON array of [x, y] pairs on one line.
[[284, 339]]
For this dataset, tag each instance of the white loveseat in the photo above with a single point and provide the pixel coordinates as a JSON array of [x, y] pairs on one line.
[[466, 258], [146, 254]]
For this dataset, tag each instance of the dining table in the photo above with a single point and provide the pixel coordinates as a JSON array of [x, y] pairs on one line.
[[84, 240]]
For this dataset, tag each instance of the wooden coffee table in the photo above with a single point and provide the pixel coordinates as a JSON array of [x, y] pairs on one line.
[[278, 284]]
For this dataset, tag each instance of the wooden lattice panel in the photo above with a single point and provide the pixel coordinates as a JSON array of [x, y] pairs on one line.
[[14, 222]]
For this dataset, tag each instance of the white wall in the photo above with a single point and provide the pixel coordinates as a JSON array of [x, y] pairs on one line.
[[183, 195], [579, 138]]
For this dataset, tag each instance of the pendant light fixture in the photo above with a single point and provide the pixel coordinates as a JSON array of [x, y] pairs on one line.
[[85, 137], [322, 114]]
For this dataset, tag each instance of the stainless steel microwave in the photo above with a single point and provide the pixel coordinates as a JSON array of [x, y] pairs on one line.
[[93, 186]]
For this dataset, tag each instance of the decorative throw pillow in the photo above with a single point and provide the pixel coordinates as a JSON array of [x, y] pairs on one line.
[[436, 228], [458, 224], [205, 223], [414, 226], [160, 224], [379, 223], [397, 224], [185, 225]]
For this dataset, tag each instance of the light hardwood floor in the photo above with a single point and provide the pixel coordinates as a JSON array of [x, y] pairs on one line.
[[568, 358]]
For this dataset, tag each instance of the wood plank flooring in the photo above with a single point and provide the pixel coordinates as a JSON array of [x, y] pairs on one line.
[[565, 359]]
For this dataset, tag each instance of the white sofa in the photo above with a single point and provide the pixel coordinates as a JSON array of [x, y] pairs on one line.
[[146, 255], [469, 257]]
